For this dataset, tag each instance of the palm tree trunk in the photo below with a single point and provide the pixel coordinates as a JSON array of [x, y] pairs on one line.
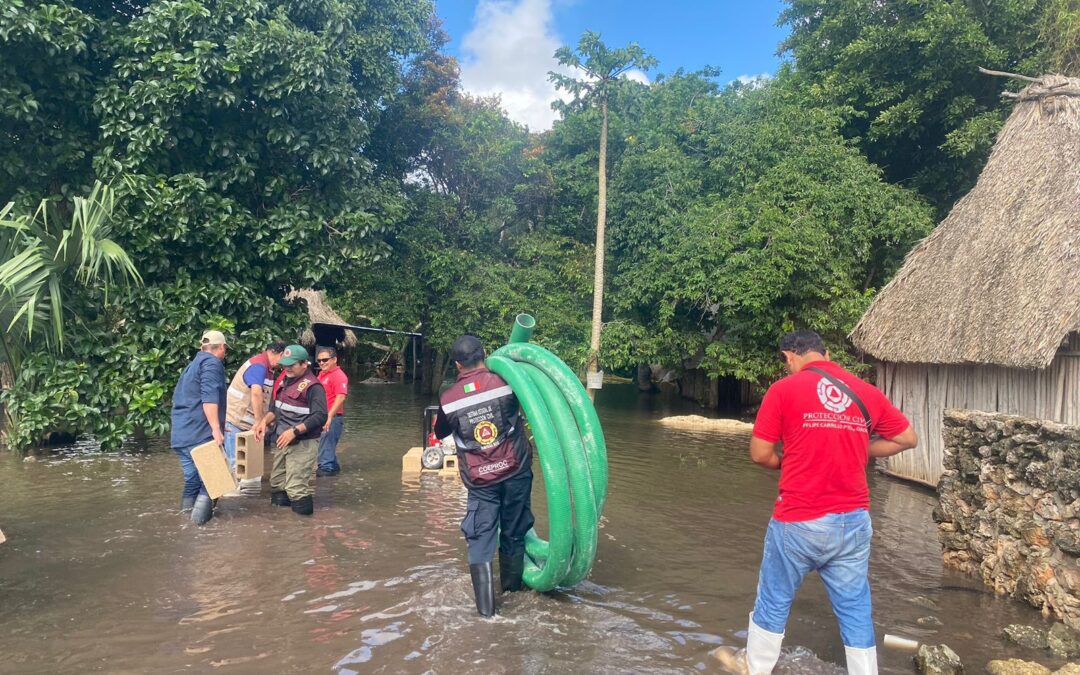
[[598, 274]]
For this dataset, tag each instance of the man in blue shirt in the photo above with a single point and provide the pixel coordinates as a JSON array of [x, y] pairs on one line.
[[198, 416]]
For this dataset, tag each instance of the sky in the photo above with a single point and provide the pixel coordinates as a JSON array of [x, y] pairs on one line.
[[505, 47]]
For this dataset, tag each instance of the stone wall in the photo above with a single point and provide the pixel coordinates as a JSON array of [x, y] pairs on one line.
[[1010, 501]]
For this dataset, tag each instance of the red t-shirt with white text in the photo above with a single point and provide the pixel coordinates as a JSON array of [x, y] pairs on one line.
[[335, 383], [825, 440]]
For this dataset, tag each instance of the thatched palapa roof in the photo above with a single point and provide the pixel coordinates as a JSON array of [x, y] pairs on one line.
[[318, 312], [998, 281]]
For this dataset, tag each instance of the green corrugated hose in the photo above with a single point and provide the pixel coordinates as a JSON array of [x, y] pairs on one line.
[[570, 447]]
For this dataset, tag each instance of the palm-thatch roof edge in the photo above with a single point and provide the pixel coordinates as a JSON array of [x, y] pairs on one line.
[[319, 311], [998, 281]]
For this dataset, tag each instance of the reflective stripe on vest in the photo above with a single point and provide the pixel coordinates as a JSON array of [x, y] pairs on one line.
[[294, 408], [292, 401], [481, 397]]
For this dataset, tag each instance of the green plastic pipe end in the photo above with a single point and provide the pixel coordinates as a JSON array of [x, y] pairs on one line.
[[523, 328]]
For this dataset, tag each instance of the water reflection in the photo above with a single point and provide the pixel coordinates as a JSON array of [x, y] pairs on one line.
[[100, 572]]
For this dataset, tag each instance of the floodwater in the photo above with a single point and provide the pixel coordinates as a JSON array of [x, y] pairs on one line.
[[100, 573]]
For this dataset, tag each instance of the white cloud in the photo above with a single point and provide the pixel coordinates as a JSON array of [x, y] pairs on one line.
[[508, 52], [636, 76], [752, 80]]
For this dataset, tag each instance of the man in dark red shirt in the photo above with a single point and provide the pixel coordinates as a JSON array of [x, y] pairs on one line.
[[830, 424]]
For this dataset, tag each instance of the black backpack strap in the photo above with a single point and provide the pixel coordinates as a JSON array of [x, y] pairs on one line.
[[847, 390]]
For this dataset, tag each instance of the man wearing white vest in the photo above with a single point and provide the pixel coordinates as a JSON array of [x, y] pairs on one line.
[[248, 399]]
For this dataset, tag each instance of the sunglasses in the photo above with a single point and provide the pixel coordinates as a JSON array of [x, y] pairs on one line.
[[323, 360]]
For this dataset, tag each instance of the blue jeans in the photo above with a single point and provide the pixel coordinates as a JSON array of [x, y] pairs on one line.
[[230, 444], [838, 547], [193, 485], [328, 445]]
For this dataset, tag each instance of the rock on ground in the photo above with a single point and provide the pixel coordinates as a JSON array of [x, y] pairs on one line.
[[1063, 641], [1016, 667], [1026, 636], [937, 660]]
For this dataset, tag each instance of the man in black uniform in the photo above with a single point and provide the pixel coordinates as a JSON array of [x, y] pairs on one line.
[[495, 461]]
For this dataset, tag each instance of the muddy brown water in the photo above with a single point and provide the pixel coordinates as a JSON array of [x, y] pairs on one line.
[[101, 574]]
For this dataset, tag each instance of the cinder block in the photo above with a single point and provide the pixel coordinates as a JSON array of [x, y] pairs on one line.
[[411, 462], [449, 466], [249, 456], [213, 468], [2, 537]]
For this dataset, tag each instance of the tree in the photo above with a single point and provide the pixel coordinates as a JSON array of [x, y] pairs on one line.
[[48, 259], [600, 68], [905, 74], [1060, 32], [741, 214], [238, 133], [42, 260]]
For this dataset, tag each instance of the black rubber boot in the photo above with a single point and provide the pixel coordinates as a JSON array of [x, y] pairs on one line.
[[483, 583], [203, 510], [511, 566], [305, 506], [280, 498]]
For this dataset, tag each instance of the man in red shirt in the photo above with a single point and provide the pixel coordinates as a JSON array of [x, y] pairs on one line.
[[830, 424], [336, 384]]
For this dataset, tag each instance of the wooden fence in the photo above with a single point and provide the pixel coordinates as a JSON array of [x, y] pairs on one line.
[[923, 392]]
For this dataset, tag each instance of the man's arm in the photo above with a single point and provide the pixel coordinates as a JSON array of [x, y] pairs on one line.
[[764, 453], [211, 412], [316, 418], [265, 422], [339, 401], [211, 372], [257, 401], [442, 425], [887, 447]]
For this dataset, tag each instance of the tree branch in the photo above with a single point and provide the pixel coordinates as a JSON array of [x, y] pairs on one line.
[[1001, 73]]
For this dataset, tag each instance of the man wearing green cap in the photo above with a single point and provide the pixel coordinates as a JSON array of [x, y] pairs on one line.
[[298, 413]]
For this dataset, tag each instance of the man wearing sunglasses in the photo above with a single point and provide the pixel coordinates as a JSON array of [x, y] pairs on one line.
[[298, 413], [336, 384]]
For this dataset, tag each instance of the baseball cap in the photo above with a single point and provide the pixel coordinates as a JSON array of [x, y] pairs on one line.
[[293, 354], [213, 337], [467, 349]]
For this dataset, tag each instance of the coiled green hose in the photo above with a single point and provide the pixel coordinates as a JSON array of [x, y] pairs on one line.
[[570, 447]]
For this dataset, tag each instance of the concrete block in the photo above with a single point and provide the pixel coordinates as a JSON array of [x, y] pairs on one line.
[[411, 462], [2, 537], [412, 465], [213, 468], [449, 466], [249, 456]]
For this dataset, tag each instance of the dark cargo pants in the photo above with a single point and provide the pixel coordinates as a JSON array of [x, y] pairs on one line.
[[502, 509]]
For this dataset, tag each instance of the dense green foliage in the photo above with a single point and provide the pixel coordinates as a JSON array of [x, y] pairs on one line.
[[260, 145], [235, 132], [905, 75]]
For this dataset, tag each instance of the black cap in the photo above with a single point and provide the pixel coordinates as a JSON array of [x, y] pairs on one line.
[[467, 350]]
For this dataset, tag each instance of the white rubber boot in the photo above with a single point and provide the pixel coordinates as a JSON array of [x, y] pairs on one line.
[[861, 661], [762, 649]]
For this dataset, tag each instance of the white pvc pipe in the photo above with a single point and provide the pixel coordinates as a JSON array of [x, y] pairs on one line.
[[896, 642]]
